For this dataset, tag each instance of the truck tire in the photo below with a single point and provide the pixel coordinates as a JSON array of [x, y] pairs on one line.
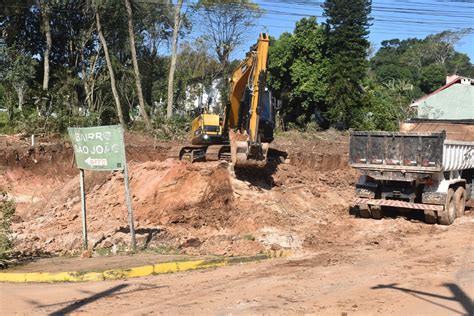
[[364, 211], [430, 217], [460, 200], [376, 211], [448, 215]]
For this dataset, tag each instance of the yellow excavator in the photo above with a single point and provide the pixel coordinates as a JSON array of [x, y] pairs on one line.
[[244, 133]]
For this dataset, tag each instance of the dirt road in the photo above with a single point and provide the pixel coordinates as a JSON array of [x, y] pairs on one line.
[[429, 273]]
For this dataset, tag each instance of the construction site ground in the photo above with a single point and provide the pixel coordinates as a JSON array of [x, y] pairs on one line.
[[340, 264]]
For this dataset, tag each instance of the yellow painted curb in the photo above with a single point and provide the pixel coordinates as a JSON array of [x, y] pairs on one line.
[[114, 274]]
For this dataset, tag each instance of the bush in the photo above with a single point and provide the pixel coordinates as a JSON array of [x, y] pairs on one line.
[[7, 210], [175, 128], [34, 124]]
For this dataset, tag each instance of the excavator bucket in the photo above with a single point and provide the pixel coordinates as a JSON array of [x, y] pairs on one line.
[[247, 155]]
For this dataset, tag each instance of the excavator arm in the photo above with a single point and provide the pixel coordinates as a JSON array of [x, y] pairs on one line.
[[248, 99]]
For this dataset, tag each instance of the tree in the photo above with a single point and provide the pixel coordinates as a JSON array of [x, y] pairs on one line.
[[45, 15], [441, 45], [347, 23], [298, 71], [226, 23], [196, 71], [16, 75], [176, 27], [131, 33], [422, 62], [110, 67]]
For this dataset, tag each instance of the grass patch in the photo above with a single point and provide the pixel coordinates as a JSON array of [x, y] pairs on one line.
[[248, 237]]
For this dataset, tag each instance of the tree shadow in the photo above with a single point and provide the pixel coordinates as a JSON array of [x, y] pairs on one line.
[[150, 232], [111, 292], [458, 296]]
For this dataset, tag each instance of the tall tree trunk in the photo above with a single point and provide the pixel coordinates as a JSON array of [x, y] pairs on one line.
[[177, 22], [20, 91], [85, 80], [111, 69], [45, 14], [141, 101]]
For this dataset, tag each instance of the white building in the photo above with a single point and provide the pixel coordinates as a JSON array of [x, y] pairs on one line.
[[198, 96]]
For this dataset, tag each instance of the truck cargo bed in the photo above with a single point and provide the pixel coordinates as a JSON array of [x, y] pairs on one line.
[[409, 152]]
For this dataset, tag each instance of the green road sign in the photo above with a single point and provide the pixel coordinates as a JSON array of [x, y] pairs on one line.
[[98, 148]]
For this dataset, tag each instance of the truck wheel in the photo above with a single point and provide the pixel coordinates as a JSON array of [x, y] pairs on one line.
[[376, 211], [430, 217], [460, 200], [448, 215], [364, 211]]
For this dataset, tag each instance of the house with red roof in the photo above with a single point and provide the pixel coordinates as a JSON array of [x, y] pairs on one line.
[[453, 101]]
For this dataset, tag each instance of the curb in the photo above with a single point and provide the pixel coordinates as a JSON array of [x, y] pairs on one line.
[[116, 274]]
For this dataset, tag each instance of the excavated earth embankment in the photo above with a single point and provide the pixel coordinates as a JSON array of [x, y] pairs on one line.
[[200, 208]]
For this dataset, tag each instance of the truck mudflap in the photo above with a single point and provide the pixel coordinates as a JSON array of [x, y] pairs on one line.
[[401, 204]]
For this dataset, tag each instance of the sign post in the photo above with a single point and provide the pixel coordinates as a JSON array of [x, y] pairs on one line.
[[83, 209], [101, 149], [130, 210]]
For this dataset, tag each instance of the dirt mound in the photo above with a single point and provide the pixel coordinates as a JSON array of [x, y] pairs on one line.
[[177, 192]]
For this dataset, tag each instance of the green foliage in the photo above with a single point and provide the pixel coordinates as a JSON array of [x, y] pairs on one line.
[[248, 237], [347, 26], [385, 106], [196, 69], [175, 128], [318, 71], [433, 76], [7, 210], [47, 125], [298, 68], [423, 62]]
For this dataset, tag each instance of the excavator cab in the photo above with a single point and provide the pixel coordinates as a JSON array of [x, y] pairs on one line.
[[206, 129]]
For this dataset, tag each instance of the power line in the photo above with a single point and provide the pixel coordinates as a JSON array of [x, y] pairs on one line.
[[417, 11], [377, 20]]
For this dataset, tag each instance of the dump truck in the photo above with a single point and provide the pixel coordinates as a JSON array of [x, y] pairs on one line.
[[427, 166]]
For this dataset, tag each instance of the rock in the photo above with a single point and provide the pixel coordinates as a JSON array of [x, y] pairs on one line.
[[120, 238], [191, 242], [106, 243], [316, 194], [275, 247], [206, 172], [141, 240], [86, 254]]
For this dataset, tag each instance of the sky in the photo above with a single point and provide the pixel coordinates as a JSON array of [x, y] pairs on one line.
[[391, 19]]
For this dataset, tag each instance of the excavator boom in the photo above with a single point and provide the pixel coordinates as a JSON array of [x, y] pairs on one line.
[[248, 100]]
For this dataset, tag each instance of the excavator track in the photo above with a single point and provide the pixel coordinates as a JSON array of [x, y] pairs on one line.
[[192, 153], [218, 152], [195, 153]]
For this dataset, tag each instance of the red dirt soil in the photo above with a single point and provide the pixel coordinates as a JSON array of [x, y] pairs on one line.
[[201, 208]]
